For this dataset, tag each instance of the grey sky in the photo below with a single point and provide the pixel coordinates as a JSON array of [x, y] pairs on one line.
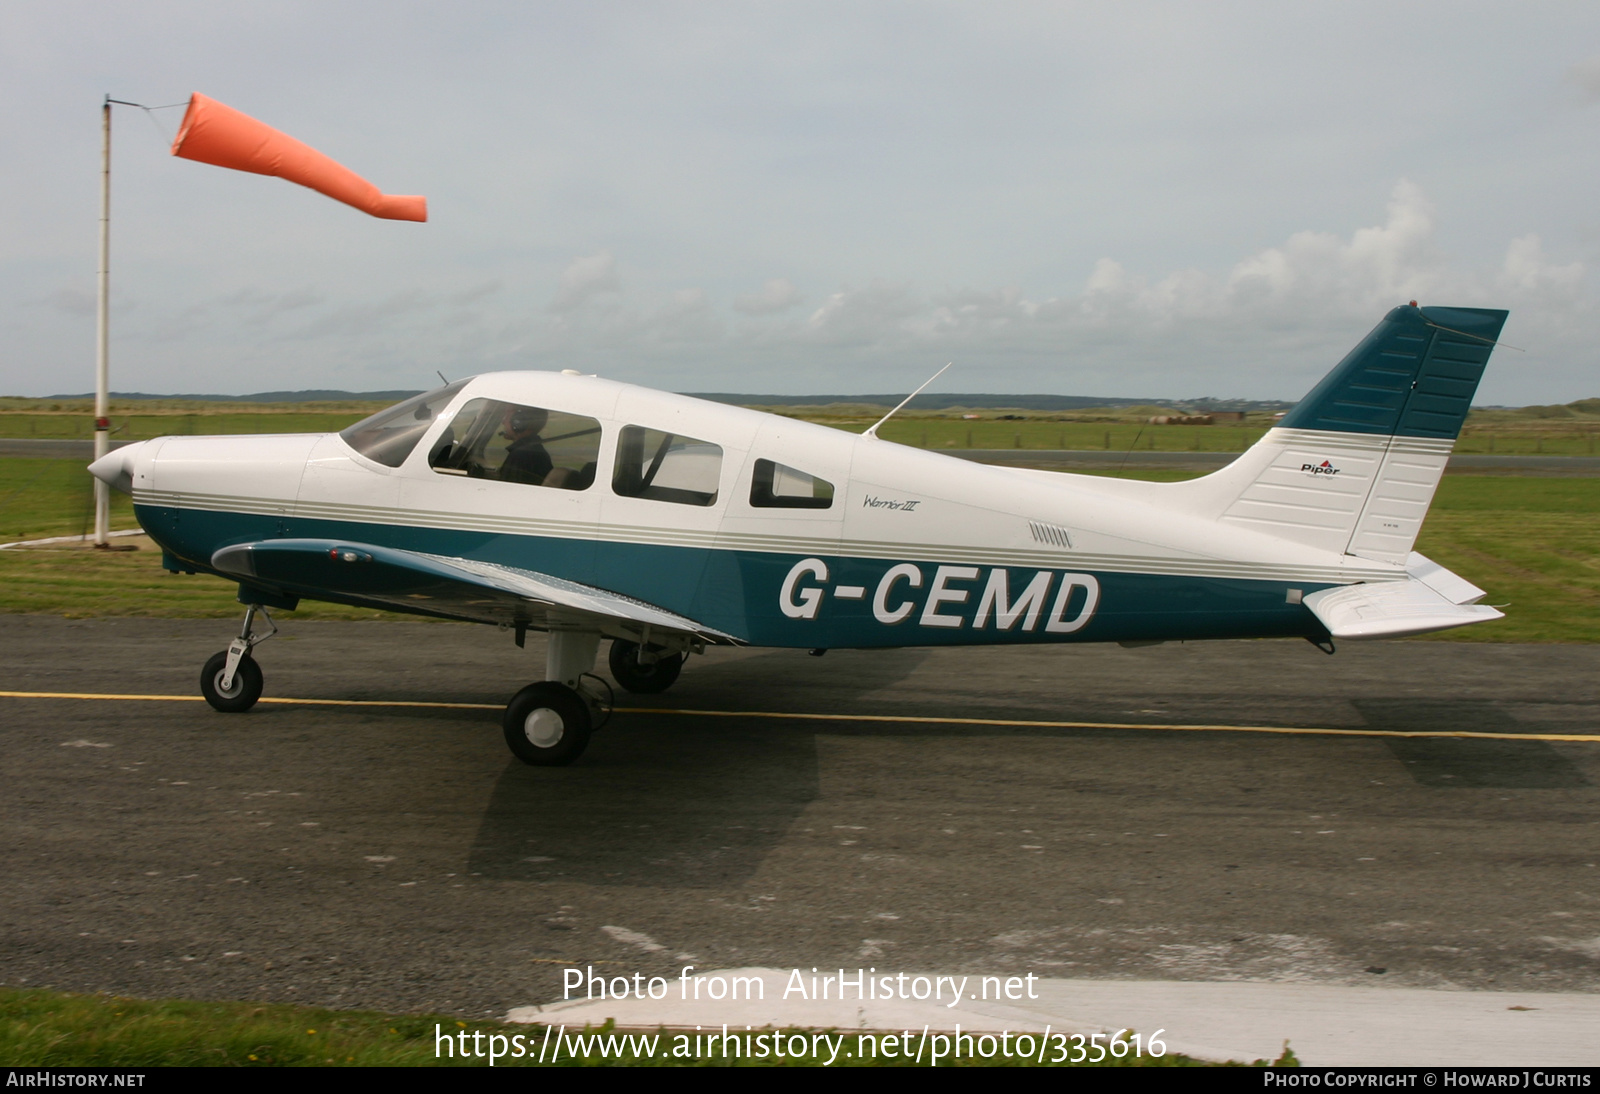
[[1127, 199]]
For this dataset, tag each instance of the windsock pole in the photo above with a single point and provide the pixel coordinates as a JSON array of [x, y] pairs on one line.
[[102, 372]]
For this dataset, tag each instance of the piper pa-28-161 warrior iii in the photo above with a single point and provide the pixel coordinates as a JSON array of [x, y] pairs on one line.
[[593, 509]]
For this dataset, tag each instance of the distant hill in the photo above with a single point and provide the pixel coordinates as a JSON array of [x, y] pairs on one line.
[[1581, 409], [940, 401], [925, 401], [314, 396]]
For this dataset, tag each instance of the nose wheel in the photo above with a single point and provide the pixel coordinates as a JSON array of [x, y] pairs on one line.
[[231, 680], [237, 695]]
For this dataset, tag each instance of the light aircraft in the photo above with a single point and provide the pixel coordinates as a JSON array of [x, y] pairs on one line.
[[594, 510]]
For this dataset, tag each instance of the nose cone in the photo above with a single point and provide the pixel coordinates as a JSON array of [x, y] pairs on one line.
[[115, 468]]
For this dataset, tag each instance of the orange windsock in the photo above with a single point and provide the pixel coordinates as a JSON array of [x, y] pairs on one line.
[[217, 134]]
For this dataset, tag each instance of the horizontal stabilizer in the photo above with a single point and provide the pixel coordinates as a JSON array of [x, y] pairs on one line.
[[455, 588], [1393, 609]]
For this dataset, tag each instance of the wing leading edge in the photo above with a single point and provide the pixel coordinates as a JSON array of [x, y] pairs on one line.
[[453, 588]]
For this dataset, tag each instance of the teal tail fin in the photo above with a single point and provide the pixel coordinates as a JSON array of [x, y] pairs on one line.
[[1353, 467], [1413, 376]]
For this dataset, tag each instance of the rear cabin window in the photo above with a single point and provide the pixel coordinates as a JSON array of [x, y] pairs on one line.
[[666, 467], [776, 486], [511, 442], [389, 435]]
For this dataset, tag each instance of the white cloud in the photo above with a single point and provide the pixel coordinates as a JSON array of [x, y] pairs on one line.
[[685, 316], [857, 316], [1311, 277], [1267, 324], [1390, 262], [1585, 75], [778, 294], [476, 293], [1526, 270], [367, 317], [585, 278]]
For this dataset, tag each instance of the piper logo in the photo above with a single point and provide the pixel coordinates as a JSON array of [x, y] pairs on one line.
[[1323, 468]]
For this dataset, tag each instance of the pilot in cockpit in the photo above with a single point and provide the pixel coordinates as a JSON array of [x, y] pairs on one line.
[[526, 458]]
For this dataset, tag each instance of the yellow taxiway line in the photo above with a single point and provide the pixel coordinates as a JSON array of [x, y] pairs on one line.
[[900, 719]]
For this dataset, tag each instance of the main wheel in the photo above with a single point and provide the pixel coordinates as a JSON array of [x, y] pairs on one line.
[[246, 687], [547, 724], [639, 678]]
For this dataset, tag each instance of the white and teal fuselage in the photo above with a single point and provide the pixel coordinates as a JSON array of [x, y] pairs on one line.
[[917, 547]]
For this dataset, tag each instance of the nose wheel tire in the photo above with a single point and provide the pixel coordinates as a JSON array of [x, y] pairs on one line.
[[246, 687], [640, 678], [547, 724]]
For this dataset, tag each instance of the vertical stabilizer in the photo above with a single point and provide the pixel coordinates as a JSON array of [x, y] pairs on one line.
[[1353, 467]]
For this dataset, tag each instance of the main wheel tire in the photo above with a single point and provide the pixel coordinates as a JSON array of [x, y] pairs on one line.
[[547, 724], [639, 678], [246, 687]]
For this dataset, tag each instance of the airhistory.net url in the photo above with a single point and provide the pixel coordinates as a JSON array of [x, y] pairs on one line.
[[906, 1046]]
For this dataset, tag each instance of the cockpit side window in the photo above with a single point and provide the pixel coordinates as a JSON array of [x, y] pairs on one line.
[[776, 486], [491, 439], [389, 435], [666, 467]]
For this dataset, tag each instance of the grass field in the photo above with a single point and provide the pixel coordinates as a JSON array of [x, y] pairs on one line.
[[1532, 543], [54, 1029], [294, 418], [1570, 430], [46, 497], [1032, 433]]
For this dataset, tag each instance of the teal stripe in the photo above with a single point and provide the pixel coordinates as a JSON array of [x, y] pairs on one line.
[[737, 591]]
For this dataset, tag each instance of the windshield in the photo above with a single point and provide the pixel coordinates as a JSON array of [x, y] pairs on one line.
[[389, 435]]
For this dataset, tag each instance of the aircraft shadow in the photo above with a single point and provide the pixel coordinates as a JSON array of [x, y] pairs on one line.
[[1466, 762], [786, 679], [675, 801]]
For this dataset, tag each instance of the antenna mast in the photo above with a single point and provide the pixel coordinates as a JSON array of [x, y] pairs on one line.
[[873, 432]]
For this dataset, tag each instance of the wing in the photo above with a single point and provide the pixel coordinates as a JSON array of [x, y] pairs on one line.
[[452, 588]]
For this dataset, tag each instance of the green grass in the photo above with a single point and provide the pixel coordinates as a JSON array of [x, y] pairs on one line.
[[944, 433], [79, 583], [1533, 544], [1572, 430], [138, 427], [54, 1029], [47, 497], [1123, 436]]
